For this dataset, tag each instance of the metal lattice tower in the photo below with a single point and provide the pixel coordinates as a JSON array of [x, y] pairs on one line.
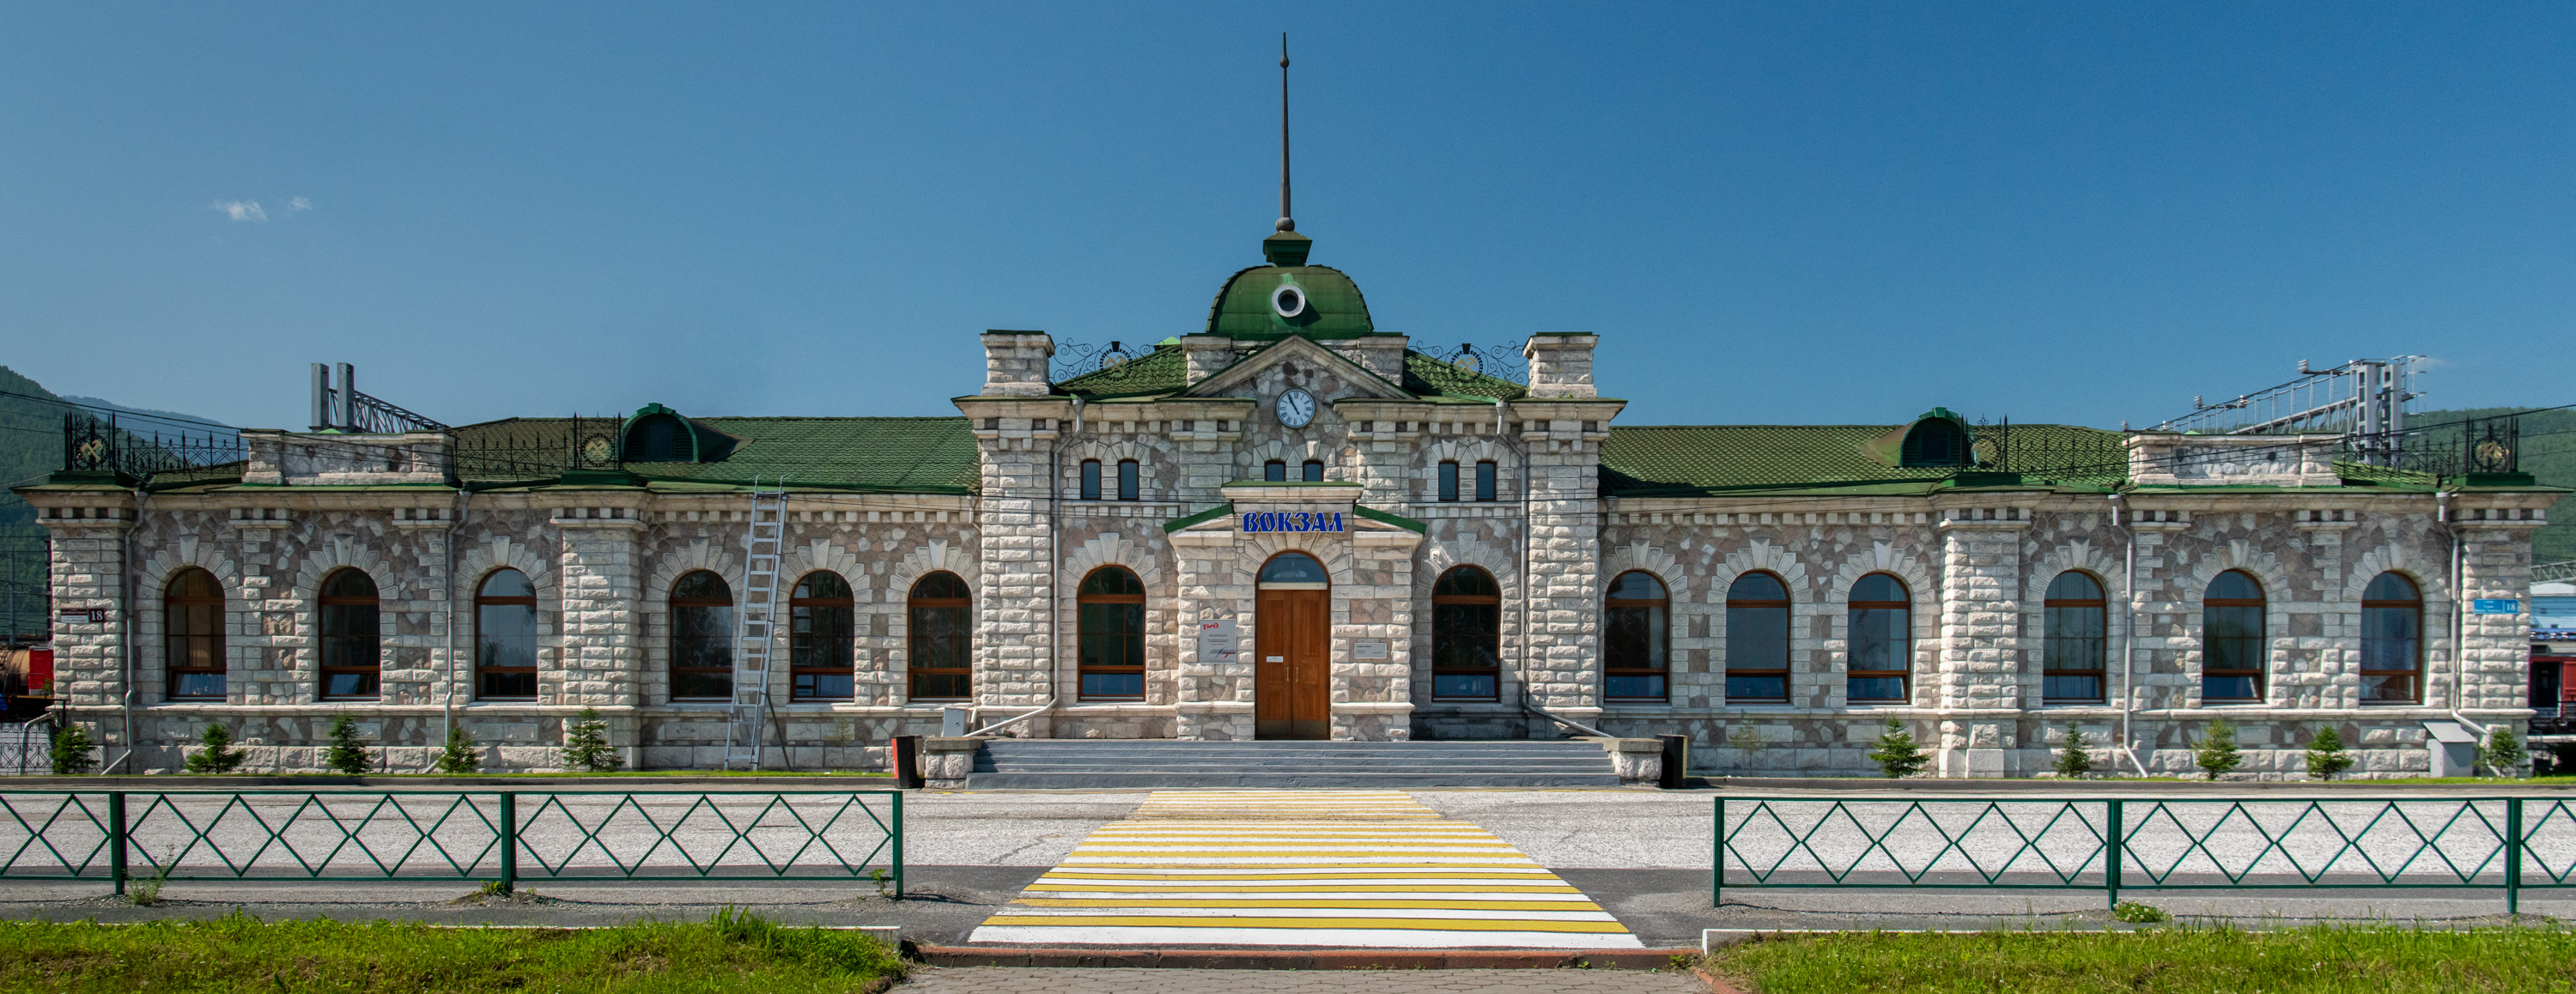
[[2559, 572], [2367, 399], [755, 626]]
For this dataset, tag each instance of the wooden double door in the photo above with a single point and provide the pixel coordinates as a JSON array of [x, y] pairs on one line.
[[1292, 665]]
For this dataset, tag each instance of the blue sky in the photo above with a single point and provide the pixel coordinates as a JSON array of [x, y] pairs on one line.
[[2076, 212]]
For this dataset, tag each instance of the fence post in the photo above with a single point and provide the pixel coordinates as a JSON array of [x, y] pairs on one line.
[[116, 839], [1717, 857], [898, 845], [2111, 845], [509, 841], [2512, 855]]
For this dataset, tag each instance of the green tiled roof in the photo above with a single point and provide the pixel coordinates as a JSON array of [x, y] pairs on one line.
[[905, 455], [1683, 460], [1428, 376], [1164, 370], [1334, 307]]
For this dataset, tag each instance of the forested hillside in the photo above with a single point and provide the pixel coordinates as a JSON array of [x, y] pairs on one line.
[[2548, 453], [31, 443]]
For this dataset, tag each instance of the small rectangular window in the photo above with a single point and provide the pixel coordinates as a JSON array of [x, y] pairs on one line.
[[1485, 480], [1127, 479], [1274, 471], [1448, 481], [1091, 479], [1314, 471]]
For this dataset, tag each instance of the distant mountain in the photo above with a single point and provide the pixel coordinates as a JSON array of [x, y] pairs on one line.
[[172, 420], [31, 445]]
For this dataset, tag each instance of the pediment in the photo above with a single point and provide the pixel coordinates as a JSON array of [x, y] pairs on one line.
[[1296, 349]]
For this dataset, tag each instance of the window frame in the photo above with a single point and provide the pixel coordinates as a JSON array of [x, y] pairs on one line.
[[1274, 471], [1129, 644], [1476, 618], [1735, 629], [1131, 480], [1448, 480], [1312, 471], [1658, 628], [2052, 636], [179, 638], [1902, 650], [1090, 479], [2414, 609], [1488, 478], [722, 643], [817, 653], [329, 644], [481, 669], [915, 638], [2260, 641]]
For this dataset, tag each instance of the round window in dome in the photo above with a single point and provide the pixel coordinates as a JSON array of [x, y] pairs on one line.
[[1288, 301]]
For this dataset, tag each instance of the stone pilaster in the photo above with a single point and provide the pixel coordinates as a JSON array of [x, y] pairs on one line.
[[1980, 672], [1560, 365], [1015, 363], [1212, 697], [1563, 669], [1015, 616], [88, 571], [602, 657], [2494, 654]]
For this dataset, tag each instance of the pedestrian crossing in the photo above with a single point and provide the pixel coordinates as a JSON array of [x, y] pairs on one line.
[[1300, 868]]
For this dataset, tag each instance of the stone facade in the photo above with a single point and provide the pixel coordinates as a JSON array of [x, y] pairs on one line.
[[1974, 560]]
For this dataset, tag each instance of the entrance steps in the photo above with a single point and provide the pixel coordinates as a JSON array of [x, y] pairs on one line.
[[1151, 763]]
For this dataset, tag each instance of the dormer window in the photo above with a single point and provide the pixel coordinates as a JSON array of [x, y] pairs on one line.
[[1935, 440], [659, 434]]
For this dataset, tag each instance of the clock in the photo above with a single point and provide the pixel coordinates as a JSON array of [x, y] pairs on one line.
[[1296, 407]]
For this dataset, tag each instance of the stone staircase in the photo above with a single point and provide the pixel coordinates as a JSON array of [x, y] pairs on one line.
[[1148, 763]]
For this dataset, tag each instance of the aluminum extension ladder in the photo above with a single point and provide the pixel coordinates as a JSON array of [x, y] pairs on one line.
[[755, 625]]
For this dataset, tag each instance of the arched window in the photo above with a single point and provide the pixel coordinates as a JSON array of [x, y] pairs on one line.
[[1633, 635], [1275, 471], [505, 637], [192, 629], [1131, 482], [1111, 621], [701, 638], [2077, 640], [2392, 640], [350, 644], [1466, 636], [1881, 625], [2231, 637], [1091, 479], [1757, 639], [1293, 567], [942, 626], [1485, 480], [1935, 442], [821, 621], [1314, 471], [1448, 479]]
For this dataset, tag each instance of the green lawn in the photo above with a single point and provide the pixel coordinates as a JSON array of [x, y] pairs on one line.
[[2162, 961], [243, 954]]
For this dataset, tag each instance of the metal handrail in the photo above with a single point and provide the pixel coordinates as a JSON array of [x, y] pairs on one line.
[[1565, 721], [1039, 710]]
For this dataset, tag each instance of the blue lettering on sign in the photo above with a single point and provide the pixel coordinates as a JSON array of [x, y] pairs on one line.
[[1292, 521]]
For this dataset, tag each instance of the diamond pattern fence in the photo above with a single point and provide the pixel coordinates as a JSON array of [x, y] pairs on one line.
[[2507, 843], [506, 836]]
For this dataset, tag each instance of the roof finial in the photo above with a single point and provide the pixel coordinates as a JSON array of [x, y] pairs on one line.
[[1287, 220]]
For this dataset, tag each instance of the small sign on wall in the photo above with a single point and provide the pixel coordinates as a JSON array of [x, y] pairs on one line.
[[93, 615], [2487, 606], [1216, 641], [1368, 650]]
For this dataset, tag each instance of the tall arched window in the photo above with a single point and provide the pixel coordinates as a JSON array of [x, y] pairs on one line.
[[701, 638], [192, 627], [1111, 621], [350, 643], [1757, 639], [821, 621], [1466, 636], [2392, 640], [1881, 624], [2077, 640], [940, 642], [1633, 636], [505, 637], [2231, 638]]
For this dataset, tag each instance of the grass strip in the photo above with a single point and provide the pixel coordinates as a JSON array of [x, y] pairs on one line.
[[2377, 959], [731, 952]]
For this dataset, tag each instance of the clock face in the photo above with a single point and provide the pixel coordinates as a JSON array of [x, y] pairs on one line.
[[1296, 407]]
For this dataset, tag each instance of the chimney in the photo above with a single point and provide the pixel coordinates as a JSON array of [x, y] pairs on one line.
[[1015, 363], [1561, 365]]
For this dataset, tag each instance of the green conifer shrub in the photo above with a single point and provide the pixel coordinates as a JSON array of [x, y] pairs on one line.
[[347, 754], [1897, 755], [218, 756], [586, 744], [2326, 756], [2216, 752], [71, 751], [460, 756], [2074, 762]]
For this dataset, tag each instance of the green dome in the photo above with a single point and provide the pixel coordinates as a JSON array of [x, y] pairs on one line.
[[1330, 305]]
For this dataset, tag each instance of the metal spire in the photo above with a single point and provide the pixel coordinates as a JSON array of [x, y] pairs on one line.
[[1287, 220]]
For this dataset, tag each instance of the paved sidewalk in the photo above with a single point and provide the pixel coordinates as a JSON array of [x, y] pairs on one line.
[[1044, 980]]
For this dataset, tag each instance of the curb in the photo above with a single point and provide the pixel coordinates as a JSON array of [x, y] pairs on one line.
[[1305, 959]]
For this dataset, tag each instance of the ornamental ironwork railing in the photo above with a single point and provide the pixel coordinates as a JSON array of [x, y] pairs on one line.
[[427, 835], [1492, 363], [2505, 843], [97, 443]]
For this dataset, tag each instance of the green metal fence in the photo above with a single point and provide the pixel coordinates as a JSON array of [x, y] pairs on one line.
[[506, 836], [2506, 843]]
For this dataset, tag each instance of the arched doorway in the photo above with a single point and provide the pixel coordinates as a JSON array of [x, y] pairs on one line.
[[1292, 634]]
